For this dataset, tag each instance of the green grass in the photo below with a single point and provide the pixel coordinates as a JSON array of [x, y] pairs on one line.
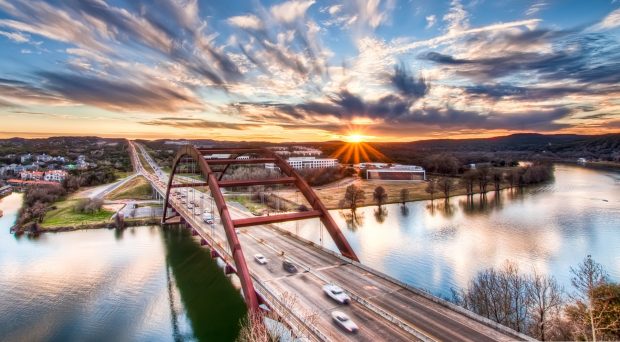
[[122, 174], [255, 208], [144, 163], [137, 188], [64, 215]]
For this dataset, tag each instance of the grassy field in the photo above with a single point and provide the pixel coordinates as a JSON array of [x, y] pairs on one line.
[[144, 163], [331, 196], [122, 174], [136, 188], [64, 215]]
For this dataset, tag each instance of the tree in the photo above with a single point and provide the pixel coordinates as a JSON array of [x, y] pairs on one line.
[[483, 179], [354, 196], [404, 195], [497, 176], [431, 188], [468, 180], [379, 195], [445, 185], [589, 309], [545, 304]]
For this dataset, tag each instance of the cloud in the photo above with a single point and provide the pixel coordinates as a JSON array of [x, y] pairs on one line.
[[430, 21], [249, 21], [407, 84], [197, 123], [119, 95], [15, 36], [457, 18], [23, 93], [587, 58], [612, 20], [536, 8], [291, 11]]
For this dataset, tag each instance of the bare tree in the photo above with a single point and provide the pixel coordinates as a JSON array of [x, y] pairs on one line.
[[253, 329], [545, 299], [589, 311], [404, 195], [431, 188], [468, 180], [379, 195], [497, 176], [483, 179], [354, 196], [445, 185]]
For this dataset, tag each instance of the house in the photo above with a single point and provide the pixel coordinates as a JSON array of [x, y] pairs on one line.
[[55, 176], [582, 160], [307, 163], [43, 158], [397, 172], [31, 175], [25, 157]]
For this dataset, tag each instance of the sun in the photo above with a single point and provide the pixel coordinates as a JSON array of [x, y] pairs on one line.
[[355, 138]]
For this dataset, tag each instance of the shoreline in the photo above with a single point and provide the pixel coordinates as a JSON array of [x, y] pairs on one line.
[[101, 225]]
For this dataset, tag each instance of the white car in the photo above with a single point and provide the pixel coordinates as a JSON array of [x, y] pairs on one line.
[[344, 321], [260, 259], [207, 218], [336, 293]]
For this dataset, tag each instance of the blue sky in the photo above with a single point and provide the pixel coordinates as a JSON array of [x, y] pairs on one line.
[[308, 70]]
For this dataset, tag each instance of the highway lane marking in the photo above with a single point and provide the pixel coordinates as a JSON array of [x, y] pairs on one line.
[[309, 270]]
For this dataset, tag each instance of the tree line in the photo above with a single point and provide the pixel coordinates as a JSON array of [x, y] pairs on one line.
[[486, 178], [538, 306]]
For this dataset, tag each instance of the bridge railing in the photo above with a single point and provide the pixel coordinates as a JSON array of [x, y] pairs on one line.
[[290, 316]]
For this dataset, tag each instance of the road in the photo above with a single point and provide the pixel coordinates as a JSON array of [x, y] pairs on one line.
[[375, 296]]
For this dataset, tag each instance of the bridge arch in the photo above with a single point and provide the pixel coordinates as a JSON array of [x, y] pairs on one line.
[[215, 182]]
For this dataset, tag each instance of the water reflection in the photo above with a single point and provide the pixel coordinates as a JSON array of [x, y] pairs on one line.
[[439, 244], [353, 219], [111, 285], [380, 214]]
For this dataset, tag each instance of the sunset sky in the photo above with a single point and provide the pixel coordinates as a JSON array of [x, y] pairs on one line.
[[308, 70]]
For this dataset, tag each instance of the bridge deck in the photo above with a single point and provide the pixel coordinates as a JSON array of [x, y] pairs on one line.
[[375, 295]]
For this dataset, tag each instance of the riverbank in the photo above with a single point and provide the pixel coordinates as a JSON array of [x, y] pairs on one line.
[[101, 225]]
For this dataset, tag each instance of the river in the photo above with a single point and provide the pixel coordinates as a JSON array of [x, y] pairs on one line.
[[140, 284], [149, 284], [438, 246]]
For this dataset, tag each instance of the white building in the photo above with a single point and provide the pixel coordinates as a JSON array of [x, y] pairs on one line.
[[218, 156], [31, 175], [25, 157], [55, 176], [308, 163], [306, 151], [397, 172]]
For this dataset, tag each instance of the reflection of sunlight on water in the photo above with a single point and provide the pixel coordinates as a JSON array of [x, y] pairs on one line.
[[548, 228]]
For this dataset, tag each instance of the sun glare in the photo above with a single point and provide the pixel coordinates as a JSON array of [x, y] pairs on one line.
[[355, 138]]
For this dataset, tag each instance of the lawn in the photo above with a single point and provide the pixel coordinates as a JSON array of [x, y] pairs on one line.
[[64, 215], [147, 167], [136, 188]]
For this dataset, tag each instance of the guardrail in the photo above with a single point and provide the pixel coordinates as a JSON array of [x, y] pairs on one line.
[[263, 290], [426, 295]]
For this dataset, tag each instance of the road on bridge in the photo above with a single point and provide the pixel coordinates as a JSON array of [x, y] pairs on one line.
[[376, 295]]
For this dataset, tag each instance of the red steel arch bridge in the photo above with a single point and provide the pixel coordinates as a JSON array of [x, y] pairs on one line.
[[384, 308]]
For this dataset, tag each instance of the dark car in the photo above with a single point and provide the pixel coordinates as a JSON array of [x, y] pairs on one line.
[[289, 267]]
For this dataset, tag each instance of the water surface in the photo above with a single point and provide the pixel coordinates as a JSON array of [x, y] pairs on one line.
[[141, 284], [438, 245]]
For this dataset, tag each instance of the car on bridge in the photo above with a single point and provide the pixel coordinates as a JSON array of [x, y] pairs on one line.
[[260, 259], [288, 266], [344, 321], [336, 293], [207, 218]]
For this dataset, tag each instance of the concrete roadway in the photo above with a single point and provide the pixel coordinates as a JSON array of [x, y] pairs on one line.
[[318, 267], [306, 290]]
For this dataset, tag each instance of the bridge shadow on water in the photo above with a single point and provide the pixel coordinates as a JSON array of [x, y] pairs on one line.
[[213, 306]]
